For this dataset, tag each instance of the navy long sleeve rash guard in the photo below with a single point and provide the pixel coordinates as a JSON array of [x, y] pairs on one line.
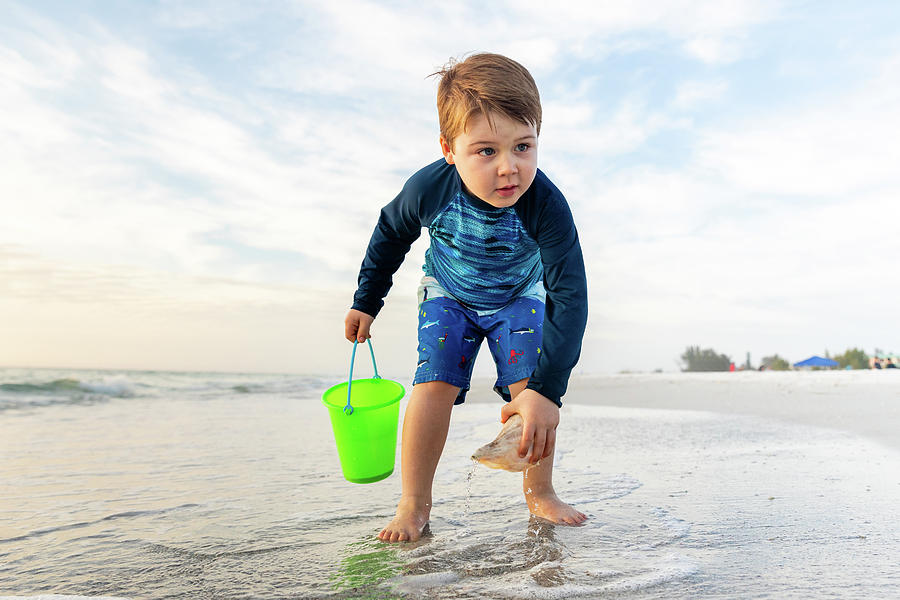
[[485, 257]]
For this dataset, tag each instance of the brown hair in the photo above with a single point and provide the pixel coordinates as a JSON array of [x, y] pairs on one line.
[[482, 84]]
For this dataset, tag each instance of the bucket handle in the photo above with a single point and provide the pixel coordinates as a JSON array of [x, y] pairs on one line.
[[348, 410]]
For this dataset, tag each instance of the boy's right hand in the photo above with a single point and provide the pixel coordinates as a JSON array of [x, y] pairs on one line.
[[357, 324]]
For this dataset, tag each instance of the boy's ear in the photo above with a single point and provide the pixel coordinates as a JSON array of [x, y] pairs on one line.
[[447, 150]]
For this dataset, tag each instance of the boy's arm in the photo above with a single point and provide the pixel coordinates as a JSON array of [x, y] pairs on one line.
[[399, 225], [397, 228], [565, 314], [550, 222]]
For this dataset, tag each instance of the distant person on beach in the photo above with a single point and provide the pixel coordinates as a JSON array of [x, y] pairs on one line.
[[504, 264]]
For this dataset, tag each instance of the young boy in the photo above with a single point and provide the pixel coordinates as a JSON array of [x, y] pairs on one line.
[[504, 264]]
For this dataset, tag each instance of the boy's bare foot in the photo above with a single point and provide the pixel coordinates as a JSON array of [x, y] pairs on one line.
[[409, 522], [548, 506]]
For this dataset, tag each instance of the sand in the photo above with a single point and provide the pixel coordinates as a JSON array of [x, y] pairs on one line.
[[865, 403]]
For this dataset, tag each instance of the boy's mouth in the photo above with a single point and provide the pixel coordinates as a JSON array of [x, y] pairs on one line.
[[507, 191]]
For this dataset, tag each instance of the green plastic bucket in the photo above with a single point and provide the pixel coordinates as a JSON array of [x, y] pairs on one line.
[[364, 415]]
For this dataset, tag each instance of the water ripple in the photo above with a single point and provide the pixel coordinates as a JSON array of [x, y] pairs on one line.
[[113, 517]]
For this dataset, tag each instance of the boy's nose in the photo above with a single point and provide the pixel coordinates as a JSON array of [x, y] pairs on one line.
[[507, 166]]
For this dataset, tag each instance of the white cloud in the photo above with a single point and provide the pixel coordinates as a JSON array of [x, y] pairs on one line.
[[209, 15], [88, 181], [692, 94], [714, 50], [835, 148], [586, 136]]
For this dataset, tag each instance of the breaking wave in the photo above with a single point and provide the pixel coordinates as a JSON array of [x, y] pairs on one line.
[[116, 387], [32, 388]]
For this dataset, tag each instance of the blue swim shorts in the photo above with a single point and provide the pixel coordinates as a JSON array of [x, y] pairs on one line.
[[451, 334]]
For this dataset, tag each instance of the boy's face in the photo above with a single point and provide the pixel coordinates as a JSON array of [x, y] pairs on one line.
[[497, 165]]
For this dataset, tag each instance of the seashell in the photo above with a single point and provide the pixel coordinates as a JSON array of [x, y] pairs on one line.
[[503, 452]]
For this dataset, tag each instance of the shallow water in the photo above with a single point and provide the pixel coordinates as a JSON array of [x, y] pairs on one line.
[[167, 485]]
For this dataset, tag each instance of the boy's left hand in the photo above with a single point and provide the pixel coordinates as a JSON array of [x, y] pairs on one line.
[[540, 417]]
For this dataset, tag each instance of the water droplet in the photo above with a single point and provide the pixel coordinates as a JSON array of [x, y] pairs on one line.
[[469, 478]]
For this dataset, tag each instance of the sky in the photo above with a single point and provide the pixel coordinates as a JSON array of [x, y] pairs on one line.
[[192, 185]]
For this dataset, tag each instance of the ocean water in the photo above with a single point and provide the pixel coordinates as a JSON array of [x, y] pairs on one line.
[[200, 485]]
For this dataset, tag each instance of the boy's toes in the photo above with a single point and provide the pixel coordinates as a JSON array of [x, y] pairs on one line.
[[394, 535], [575, 519]]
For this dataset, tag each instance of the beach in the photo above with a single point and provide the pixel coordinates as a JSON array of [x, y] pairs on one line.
[[203, 485], [866, 403]]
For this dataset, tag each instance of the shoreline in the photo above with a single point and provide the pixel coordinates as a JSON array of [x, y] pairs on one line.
[[865, 403]]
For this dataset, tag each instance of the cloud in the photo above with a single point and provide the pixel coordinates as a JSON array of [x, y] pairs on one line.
[[828, 150], [579, 130], [692, 94], [714, 50], [206, 15], [151, 174]]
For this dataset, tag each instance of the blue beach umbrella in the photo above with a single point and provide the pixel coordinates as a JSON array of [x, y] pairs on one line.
[[816, 361]]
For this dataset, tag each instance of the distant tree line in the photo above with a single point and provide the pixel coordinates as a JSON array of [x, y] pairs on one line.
[[854, 358], [707, 359], [696, 359], [775, 363]]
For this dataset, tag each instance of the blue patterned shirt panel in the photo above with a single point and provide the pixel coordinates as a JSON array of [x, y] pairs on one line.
[[484, 258]]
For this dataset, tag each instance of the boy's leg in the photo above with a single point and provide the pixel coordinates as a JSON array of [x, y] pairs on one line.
[[424, 433], [537, 483]]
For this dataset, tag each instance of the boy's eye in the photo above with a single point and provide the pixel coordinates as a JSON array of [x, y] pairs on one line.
[[486, 152], [522, 147]]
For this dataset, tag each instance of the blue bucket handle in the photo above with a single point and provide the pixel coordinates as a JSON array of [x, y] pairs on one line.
[[348, 410]]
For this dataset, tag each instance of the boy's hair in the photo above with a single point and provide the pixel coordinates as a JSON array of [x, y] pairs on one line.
[[482, 84]]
